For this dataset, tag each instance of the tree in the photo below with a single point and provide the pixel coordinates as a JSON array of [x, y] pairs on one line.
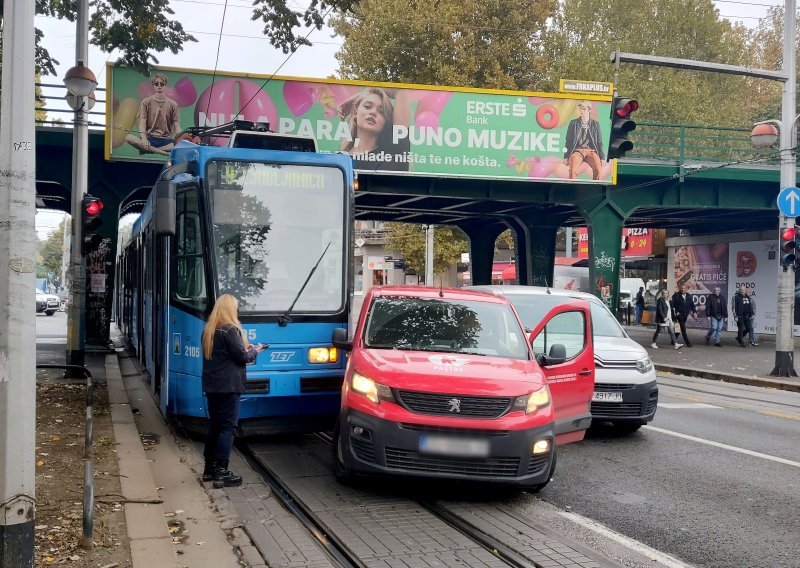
[[51, 251], [449, 42], [585, 32], [141, 28], [409, 240]]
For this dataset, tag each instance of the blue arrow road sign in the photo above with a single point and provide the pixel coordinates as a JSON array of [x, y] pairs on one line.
[[789, 201]]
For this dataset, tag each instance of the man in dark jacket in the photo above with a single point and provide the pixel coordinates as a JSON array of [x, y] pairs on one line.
[[683, 305], [639, 305], [717, 313], [584, 142], [744, 312]]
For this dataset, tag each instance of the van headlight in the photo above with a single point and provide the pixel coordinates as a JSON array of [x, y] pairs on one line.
[[375, 392], [644, 365], [532, 402]]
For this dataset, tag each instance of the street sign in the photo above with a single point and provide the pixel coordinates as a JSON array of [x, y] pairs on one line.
[[789, 201], [359, 243]]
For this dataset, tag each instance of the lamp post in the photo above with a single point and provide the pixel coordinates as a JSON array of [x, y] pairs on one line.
[[80, 82], [765, 134]]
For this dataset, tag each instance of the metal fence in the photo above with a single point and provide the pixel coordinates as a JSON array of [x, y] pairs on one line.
[[52, 104]]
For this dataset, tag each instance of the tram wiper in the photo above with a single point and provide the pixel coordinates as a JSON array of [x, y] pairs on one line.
[[285, 319]]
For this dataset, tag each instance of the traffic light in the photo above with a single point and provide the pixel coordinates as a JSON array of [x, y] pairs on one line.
[[621, 124], [91, 222], [790, 247]]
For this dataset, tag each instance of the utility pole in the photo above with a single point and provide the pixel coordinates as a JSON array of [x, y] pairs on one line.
[[64, 251], [17, 282], [76, 315], [429, 255], [784, 339]]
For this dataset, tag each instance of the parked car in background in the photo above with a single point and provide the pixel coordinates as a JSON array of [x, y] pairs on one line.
[[444, 384], [47, 303], [625, 390]]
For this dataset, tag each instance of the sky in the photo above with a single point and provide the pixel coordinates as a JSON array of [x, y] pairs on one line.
[[241, 47]]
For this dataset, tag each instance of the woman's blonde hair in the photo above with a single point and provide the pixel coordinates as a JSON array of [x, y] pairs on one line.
[[348, 111], [224, 313]]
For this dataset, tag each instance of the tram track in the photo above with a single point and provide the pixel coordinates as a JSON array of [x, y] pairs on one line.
[[339, 552]]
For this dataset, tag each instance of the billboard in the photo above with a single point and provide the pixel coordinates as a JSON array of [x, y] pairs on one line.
[[387, 128], [636, 241]]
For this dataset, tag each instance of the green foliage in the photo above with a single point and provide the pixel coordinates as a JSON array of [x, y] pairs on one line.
[[450, 42], [409, 240], [280, 20], [51, 252]]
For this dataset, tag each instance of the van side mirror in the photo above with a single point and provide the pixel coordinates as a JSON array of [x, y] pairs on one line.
[[341, 340], [557, 355], [166, 205]]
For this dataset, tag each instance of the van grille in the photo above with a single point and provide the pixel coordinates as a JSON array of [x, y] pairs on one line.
[[363, 449], [617, 408], [469, 406], [606, 387], [490, 467]]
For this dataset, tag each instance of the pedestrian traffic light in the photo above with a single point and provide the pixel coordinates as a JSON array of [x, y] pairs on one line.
[[91, 222], [621, 126], [790, 247]]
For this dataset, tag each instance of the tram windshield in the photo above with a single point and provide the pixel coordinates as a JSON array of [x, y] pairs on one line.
[[271, 224]]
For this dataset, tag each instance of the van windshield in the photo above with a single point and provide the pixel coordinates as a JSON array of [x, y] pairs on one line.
[[447, 326], [533, 307]]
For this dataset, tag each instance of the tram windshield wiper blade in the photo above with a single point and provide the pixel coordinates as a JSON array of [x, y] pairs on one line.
[[285, 319]]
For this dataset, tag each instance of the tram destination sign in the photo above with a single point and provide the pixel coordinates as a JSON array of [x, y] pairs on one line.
[[388, 128]]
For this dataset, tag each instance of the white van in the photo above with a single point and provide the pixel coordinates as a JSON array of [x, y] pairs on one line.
[[625, 390]]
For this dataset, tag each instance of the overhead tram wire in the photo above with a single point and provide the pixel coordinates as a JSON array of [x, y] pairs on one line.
[[216, 61]]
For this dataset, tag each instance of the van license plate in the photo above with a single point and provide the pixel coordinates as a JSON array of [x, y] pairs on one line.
[[607, 396], [461, 447]]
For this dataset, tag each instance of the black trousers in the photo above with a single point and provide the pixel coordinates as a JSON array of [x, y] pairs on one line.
[[682, 320], [223, 417]]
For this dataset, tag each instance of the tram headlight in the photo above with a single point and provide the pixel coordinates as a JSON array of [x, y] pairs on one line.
[[370, 389], [323, 355]]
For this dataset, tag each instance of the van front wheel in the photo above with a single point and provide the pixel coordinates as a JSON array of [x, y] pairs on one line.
[[340, 470]]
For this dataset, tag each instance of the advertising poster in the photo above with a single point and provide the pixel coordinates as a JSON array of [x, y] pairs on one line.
[[701, 268], [387, 128], [754, 266], [636, 241]]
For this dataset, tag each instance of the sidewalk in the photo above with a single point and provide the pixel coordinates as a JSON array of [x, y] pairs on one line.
[[731, 363]]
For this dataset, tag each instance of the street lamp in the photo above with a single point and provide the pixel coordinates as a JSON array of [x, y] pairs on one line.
[[80, 82]]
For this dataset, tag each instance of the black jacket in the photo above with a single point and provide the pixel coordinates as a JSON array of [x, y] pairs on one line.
[[742, 303], [595, 138], [683, 306], [225, 371], [640, 299], [662, 310], [716, 307]]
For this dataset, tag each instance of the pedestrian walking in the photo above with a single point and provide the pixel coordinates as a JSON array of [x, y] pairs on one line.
[[226, 351], [744, 312], [717, 312], [684, 308], [664, 320], [639, 305]]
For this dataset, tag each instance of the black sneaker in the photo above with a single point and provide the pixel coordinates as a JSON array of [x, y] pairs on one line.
[[708, 340], [226, 478], [740, 342]]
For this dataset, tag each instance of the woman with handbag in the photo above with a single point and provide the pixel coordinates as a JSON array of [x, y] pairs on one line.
[[664, 320]]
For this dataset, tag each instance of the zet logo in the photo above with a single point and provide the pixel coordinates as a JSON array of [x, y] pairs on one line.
[[448, 362], [281, 356]]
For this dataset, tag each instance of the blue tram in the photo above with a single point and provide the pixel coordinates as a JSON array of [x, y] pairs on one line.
[[269, 220]]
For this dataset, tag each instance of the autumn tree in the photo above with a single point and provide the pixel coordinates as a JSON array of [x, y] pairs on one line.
[[451, 42], [409, 240], [585, 32], [51, 252]]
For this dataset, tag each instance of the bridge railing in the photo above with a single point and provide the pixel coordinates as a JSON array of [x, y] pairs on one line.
[[682, 143], [52, 108]]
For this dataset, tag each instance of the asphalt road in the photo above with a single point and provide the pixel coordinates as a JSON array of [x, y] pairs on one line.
[[714, 481]]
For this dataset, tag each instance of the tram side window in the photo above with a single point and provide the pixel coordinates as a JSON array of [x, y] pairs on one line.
[[190, 282]]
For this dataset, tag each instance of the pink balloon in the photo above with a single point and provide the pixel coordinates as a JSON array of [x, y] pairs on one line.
[[299, 96], [229, 99], [426, 120], [185, 92], [433, 102], [538, 168], [606, 170]]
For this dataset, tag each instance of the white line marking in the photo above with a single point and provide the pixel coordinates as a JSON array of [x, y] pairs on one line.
[[656, 556], [684, 405], [724, 446]]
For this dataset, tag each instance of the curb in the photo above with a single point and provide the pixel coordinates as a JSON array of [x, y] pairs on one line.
[[729, 377]]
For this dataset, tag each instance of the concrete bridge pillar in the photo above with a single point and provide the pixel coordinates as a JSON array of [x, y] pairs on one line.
[[536, 248], [605, 223], [482, 236]]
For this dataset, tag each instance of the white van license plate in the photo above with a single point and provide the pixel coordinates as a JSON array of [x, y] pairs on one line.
[[461, 447], [607, 396]]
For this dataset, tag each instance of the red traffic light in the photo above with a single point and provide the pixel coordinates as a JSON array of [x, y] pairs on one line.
[[625, 107], [94, 207], [789, 234]]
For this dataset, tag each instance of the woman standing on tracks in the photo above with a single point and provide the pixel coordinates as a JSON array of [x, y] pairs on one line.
[[226, 351]]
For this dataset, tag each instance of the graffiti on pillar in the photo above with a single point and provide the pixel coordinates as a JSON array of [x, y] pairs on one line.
[[540, 260], [605, 265], [97, 293]]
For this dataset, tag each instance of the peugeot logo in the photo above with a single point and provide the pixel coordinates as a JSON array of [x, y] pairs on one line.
[[455, 405]]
